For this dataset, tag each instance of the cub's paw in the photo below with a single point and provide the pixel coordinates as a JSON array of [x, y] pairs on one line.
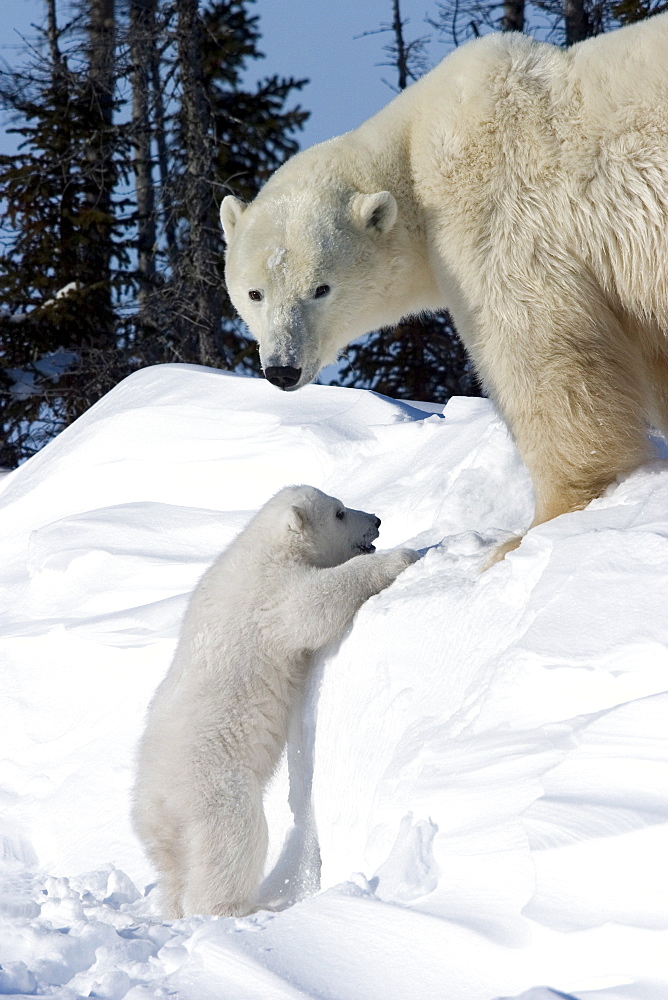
[[399, 559]]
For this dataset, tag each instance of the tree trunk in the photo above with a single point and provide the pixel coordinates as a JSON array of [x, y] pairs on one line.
[[199, 171], [67, 265], [168, 223], [57, 62], [142, 45], [513, 15], [578, 25], [100, 167], [400, 46]]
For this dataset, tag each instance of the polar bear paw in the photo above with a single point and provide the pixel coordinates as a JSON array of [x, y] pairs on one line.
[[400, 559]]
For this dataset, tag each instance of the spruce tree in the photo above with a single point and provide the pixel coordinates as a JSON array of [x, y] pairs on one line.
[[56, 232], [98, 275], [225, 137], [420, 358]]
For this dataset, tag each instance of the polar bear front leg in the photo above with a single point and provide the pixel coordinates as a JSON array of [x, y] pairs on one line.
[[331, 597], [573, 397]]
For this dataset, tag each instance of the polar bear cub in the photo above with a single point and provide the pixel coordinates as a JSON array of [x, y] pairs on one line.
[[290, 583]]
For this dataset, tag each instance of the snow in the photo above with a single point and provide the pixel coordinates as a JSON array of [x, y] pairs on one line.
[[477, 778], [25, 382], [71, 286], [276, 258]]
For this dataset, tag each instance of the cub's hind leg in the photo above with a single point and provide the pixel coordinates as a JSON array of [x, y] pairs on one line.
[[163, 837], [227, 844]]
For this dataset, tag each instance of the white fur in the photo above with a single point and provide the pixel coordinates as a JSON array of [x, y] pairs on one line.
[[290, 583], [525, 188]]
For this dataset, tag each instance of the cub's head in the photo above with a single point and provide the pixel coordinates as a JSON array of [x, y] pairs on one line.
[[321, 529], [309, 270]]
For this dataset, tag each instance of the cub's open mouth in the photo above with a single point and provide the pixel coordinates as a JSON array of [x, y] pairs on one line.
[[365, 549]]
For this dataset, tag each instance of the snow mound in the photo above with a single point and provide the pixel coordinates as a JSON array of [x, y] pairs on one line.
[[474, 802]]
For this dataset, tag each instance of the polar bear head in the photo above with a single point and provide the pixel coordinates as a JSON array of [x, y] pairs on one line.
[[319, 529], [310, 269]]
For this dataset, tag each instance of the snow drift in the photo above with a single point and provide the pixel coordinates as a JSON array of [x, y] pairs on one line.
[[475, 801]]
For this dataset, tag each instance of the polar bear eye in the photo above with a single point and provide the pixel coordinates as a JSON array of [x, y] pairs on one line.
[[340, 514], [321, 291], [256, 295]]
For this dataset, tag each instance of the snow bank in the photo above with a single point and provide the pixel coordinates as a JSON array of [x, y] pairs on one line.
[[477, 779]]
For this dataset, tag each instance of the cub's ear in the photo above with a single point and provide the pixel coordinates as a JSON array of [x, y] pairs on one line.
[[297, 519], [375, 211], [231, 210]]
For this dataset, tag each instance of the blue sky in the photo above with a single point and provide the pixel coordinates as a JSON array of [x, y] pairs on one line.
[[303, 38], [318, 39]]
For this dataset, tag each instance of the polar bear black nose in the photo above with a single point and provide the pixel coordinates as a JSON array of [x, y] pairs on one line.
[[282, 375], [377, 520]]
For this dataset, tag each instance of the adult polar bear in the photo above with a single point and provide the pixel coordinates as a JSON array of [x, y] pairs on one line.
[[521, 186]]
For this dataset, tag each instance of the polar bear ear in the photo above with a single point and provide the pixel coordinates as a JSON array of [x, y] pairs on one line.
[[297, 519], [376, 211], [231, 210]]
